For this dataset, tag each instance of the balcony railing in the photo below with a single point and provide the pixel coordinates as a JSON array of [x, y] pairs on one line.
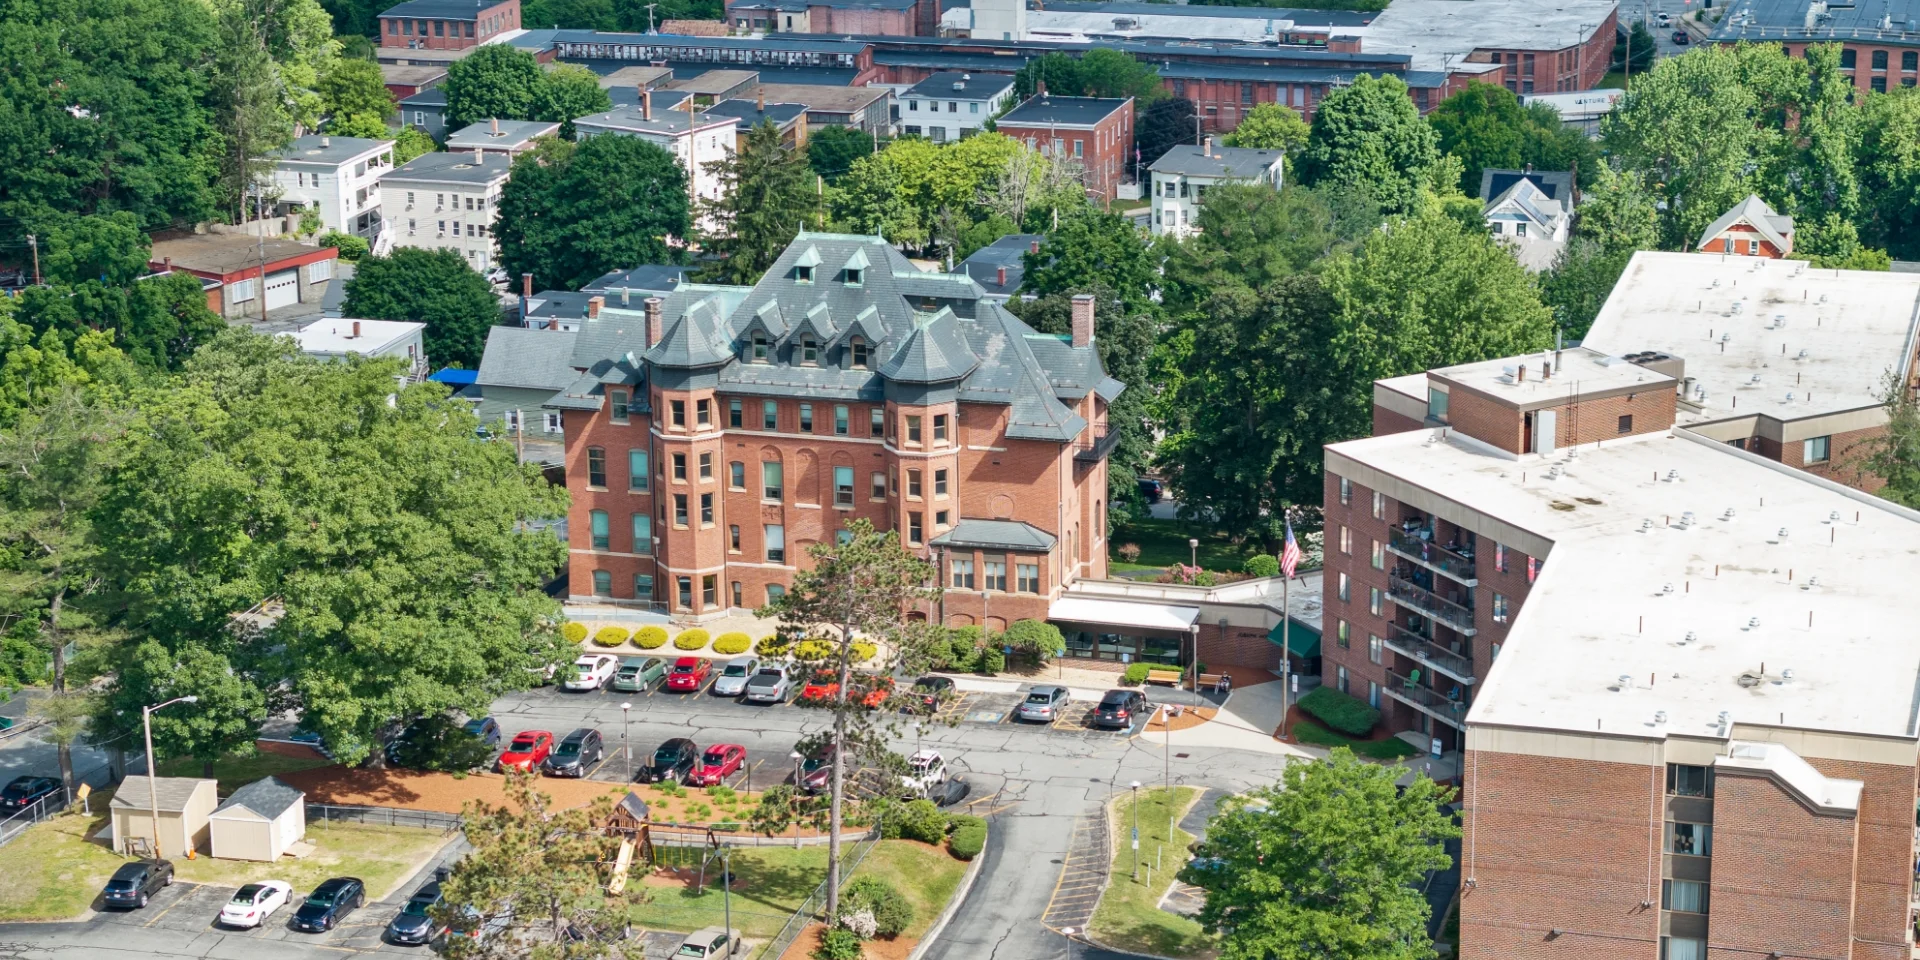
[[1094, 445], [1409, 644], [1433, 556], [1416, 597], [1433, 703]]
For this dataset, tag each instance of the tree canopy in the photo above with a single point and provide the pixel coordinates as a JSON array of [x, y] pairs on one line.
[[1100, 72], [435, 287], [767, 196], [1485, 126], [572, 212], [929, 196], [832, 151], [1164, 124], [499, 82], [1369, 137], [1271, 126]]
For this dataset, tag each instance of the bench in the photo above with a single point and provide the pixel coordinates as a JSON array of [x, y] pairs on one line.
[[1169, 677], [1207, 680]]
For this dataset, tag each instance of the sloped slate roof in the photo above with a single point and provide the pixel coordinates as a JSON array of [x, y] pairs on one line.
[[269, 797], [1753, 210], [529, 358], [996, 534], [934, 352], [1556, 184]]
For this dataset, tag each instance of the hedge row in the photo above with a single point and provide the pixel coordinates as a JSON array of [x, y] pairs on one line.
[[650, 638], [1348, 714]]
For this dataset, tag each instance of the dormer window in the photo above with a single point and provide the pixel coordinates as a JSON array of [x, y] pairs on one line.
[[760, 346], [859, 353], [809, 351], [854, 276], [803, 274]]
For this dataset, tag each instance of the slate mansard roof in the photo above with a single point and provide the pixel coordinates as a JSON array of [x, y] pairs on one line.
[[935, 330]]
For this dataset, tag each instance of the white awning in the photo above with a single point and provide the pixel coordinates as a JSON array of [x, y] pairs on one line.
[[1124, 613]]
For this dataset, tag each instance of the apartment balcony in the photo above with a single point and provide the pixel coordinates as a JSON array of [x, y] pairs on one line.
[[1410, 644], [1451, 711], [1457, 564], [1095, 444], [1424, 601]]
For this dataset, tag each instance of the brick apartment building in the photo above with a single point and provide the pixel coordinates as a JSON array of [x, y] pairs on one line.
[[1880, 42], [1750, 229], [716, 433], [880, 18], [447, 24], [1626, 583], [1095, 132]]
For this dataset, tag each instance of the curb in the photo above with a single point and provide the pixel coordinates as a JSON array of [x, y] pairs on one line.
[[953, 906]]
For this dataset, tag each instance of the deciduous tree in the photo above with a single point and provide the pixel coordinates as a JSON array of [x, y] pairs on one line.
[[1094, 247], [1369, 137], [1485, 126], [1164, 124], [355, 88], [572, 212], [496, 81], [566, 93], [434, 287], [767, 196], [1271, 126], [832, 151]]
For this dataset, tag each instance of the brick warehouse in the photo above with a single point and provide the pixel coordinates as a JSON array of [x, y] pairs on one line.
[[717, 432], [1626, 584]]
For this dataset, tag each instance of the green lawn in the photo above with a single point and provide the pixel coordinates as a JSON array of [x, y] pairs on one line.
[[1392, 748], [56, 871], [1614, 80], [927, 875], [235, 772], [1129, 916], [1163, 543]]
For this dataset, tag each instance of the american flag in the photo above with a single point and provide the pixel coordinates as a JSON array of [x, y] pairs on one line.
[[1290, 554]]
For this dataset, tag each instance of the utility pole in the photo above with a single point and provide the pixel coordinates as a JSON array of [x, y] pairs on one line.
[[34, 242], [650, 7]]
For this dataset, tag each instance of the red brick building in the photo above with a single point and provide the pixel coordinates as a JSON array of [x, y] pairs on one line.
[[717, 433], [1750, 229], [447, 24], [1094, 132], [247, 276]]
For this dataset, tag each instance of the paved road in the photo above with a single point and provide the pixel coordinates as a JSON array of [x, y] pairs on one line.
[[1032, 781]]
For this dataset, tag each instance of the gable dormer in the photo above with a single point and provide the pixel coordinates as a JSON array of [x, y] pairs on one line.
[[856, 345], [806, 266], [760, 339], [854, 272], [807, 342]]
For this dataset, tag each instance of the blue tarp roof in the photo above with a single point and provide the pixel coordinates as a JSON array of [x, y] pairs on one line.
[[457, 378]]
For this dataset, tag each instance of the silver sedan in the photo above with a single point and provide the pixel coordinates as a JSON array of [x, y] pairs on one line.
[[1043, 704], [732, 679]]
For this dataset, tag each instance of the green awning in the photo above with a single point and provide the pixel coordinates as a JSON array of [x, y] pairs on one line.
[[1301, 640]]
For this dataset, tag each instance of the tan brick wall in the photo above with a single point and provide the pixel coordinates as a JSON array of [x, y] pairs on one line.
[[1589, 421], [1782, 877], [1559, 844]]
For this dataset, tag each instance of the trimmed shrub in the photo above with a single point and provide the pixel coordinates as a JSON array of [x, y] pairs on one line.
[[610, 636], [732, 643], [989, 660], [838, 943], [1136, 673], [574, 632], [812, 650], [1035, 638], [691, 639], [772, 646], [650, 638], [1130, 552], [892, 912], [1348, 714], [921, 820], [1261, 565], [863, 651], [969, 837], [957, 820]]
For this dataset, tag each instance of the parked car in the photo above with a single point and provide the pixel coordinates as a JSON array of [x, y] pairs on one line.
[[254, 903], [722, 760], [674, 760], [528, 750], [27, 791], [592, 671], [733, 677], [816, 769], [1680, 38], [414, 923], [1153, 490], [640, 674], [576, 754], [866, 689], [709, 942], [479, 927], [1119, 709], [134, 883], [329, 903], [689, 674], [1043, 704], [771, 684], [927, 772], [931, 692], [486, 728], [1663, 18]]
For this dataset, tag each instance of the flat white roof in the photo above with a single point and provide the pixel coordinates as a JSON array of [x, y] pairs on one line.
[[1722, 315], [1413, 385], [1520, 379], [1435, 32], [1124, 613], [334, 337], [1699, 617]]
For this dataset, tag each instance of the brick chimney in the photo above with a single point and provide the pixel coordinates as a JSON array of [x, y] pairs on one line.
[[1000, 275], [1206, 147], [526, 284], [496, 126], [653, 321], [356, 330], [646, 104], [1082, 319], [593, 307], [760, 102]]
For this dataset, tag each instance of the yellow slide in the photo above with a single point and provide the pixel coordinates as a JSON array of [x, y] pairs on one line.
[[619, 881]]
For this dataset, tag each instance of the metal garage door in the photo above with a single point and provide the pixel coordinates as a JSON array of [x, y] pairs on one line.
[[283, 289]]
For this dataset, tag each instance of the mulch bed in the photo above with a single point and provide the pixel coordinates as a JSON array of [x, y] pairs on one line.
[[898, 948], [1189, 718], [423, 790]]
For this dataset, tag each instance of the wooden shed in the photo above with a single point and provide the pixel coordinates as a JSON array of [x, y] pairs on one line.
[[260, 821], [185, 804]]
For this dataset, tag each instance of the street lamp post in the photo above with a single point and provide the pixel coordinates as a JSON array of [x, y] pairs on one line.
[[1136, 829], [917, 730], [795, 756], [1068, 931], [153, 788], [1193, 551], [626, 748]]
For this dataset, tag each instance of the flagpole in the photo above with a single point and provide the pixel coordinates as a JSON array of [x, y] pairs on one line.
[[1286, 658]]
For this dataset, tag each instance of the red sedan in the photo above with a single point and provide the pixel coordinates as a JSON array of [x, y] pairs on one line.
[[689, 673], [527, 750], [722, 760], [870, 691]]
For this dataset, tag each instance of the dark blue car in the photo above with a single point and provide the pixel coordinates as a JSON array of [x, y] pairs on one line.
[[486, 728], [329, 903], [415, 925], [27, 791]]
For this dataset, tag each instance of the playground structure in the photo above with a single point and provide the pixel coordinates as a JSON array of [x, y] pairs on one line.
[[674, 846]]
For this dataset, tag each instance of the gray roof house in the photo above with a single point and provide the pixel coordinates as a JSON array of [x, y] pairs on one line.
[[1531, 211], [519, 370], [1001, 266], [1180, 178]]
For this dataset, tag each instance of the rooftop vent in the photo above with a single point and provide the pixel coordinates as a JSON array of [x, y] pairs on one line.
[[1716, 283], [1789, 397], [1786, 676], [1754, 379], [1823, 298], [1753, 623], [1726, 337], [1673, 475], [1659, 718], [1646, 525], [1624, 684], [1802, 355], [1691, 637], [1783, 533], [1728, 515], [1686, 519], [1666, 589]]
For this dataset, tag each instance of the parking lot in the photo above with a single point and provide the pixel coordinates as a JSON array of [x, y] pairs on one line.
[[190, 909]]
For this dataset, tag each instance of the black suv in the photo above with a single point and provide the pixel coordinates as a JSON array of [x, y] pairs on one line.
[[27, 791], [673, 761], [133, 884], [576, 754], [329, 903], [1119, 709], [414, 925]]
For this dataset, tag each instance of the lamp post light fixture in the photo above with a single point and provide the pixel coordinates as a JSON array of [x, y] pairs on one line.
[[153, 788], [1193, 551], [796, 769], [917, 731], [626, 748], [1136, 829]]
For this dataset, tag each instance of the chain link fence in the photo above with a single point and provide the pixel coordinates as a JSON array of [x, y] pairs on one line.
[[817, 901]]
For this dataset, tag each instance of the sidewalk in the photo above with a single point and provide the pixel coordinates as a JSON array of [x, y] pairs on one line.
[[1246, 722]]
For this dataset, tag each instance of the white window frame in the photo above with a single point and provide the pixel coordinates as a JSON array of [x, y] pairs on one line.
[[240, 291]]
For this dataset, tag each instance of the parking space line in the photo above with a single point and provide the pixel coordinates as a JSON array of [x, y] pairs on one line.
[[184, 894]]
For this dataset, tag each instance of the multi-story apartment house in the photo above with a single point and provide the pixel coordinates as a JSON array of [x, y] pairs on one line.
[[338, 176], [1634, 589], [716, 433], [1182, 176], [508, 137], [1095, 133], [447, 24], [696, 139], [952, 106], [447, 201]]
